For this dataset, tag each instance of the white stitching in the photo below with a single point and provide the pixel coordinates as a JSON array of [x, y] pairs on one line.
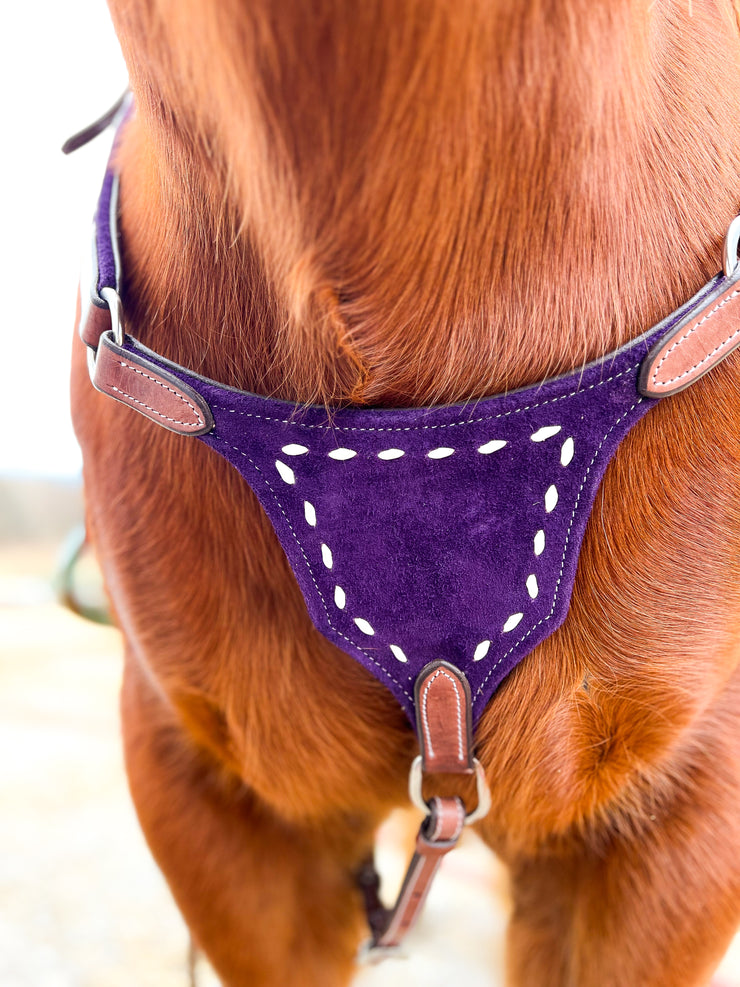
[[424, 719], [336, 630], [175, 421], [686, 335], [479, 690], [414, 428], [167, 388]]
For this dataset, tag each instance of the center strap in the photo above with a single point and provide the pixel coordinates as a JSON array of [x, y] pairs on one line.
[[444, 726]]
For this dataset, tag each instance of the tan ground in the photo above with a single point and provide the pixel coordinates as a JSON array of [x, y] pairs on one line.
[[81, 903]]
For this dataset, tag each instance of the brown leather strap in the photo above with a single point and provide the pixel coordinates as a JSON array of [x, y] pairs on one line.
[[438, 835], [443, 709], [697, 344], [148, 389], [93, 323], [444, 719]]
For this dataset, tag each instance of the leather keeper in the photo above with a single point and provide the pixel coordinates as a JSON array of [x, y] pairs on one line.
[[698, 343], [94, 321], [444, 719], [145, 387]]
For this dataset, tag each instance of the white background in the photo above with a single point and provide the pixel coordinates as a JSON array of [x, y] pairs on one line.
[[60, 68]]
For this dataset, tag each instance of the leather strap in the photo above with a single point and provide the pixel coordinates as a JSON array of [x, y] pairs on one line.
[[94, 322], [438, 835], [443, 707], [697, 343], [134, 381], [443, 719]]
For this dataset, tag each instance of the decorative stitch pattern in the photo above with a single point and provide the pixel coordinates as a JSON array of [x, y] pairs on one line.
[[539, 623], [336, 630], [166, 387], [481, 687]]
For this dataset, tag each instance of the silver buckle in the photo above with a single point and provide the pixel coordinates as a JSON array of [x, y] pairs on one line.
[[729, 251], [484, 794], [113, 299]]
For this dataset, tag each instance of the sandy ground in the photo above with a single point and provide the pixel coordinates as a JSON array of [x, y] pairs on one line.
[[81, 902]]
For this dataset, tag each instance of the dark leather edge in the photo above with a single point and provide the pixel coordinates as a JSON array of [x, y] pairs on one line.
[[158, 391], [421, 679], [693, 310]]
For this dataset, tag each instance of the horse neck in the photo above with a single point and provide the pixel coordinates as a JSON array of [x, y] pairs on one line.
[[422, 206]]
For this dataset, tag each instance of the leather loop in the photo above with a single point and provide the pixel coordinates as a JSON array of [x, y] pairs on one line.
[[698, 343], [443, 719], [145, 387], [94, 321]]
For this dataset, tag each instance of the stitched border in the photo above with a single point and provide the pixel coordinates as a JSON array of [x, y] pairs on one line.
[[414, 428], [425, 720], [539, 623], [543, 620], [336, 630], [166, 387], [175, 421]]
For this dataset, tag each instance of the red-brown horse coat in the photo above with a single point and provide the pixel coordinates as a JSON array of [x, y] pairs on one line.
[[405, 204]]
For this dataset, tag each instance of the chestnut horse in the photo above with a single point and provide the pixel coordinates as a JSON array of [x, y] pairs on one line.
[[406, 204]]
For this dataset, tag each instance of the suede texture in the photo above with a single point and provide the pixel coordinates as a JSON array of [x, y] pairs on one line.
[[422, 534], [466, 555]]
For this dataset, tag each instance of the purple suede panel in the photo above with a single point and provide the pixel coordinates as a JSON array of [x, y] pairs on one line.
[[404, 559]]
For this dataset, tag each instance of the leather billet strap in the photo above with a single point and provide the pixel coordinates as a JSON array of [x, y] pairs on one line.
[[443, 719], [698, 342], [148, 389], [438, 834], [445, 734]]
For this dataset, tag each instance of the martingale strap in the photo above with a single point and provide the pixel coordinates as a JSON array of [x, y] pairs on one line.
[[436, 546]]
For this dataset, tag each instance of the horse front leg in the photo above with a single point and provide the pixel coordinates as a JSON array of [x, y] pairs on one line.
[[655, 900], [270, 903]]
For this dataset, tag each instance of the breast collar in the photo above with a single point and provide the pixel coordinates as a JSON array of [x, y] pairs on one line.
[[436, 546]]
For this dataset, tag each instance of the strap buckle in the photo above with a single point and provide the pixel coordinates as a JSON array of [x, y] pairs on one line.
[[729, 250], [416, 777]]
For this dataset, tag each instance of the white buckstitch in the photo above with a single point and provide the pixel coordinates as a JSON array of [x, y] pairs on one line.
[[686, 335], [425, 721], [414, 428], [175, 421], [336, 630], [479, 690], [167, 388]]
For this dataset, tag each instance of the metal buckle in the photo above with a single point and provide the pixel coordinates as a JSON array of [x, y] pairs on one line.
[[729, 251], [113, 300], [416, 775]]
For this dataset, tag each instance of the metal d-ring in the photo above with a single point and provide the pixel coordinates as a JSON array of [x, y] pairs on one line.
[[729, 251], [484, 795], [113, 300]]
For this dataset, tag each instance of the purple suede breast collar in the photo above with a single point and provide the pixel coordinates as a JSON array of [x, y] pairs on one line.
[[419, 534]]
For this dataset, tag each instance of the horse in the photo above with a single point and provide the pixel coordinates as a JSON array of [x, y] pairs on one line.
[[402, 205]]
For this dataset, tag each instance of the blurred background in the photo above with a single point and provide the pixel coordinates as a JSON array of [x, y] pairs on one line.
[[81, 903]]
